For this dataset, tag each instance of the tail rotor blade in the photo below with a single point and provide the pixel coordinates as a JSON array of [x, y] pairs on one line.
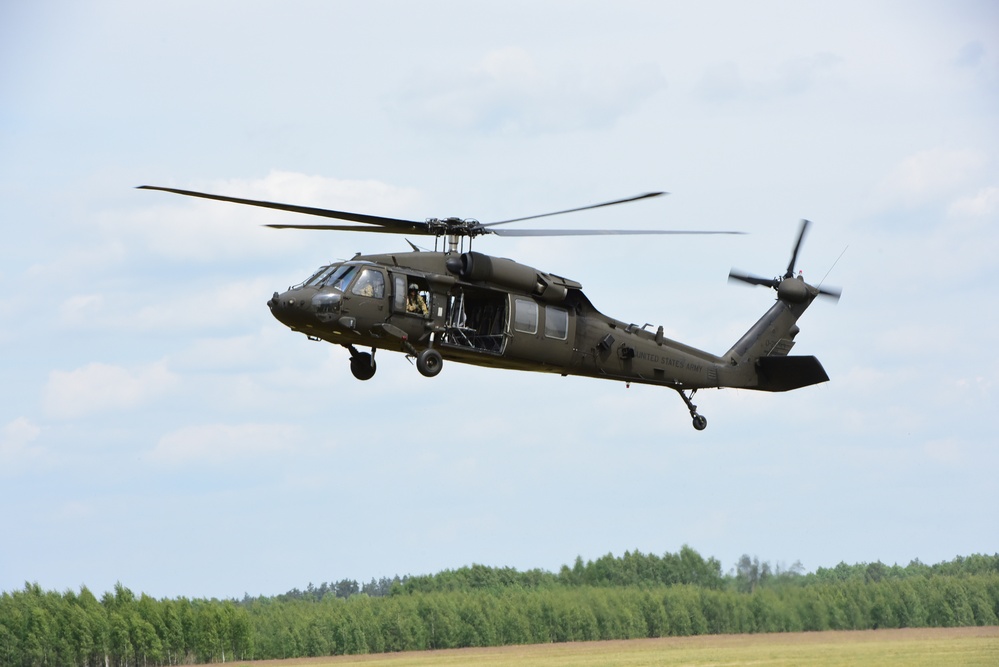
[[797, 246], [741, 276], [794, 293], [832, 292]]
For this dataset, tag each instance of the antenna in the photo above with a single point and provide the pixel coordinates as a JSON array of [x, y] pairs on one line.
[[833, 266]]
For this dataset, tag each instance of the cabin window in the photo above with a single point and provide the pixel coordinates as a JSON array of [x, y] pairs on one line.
[[399, 293], [370, 283], [556, 322], [525, 316]]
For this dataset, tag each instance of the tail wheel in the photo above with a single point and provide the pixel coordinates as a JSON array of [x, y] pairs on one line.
[[429, 362], [700, 422]]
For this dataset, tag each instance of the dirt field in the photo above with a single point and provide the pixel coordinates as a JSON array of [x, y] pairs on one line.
[[906, 647]]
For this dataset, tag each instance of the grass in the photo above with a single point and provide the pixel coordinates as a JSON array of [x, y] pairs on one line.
[[929, 647]]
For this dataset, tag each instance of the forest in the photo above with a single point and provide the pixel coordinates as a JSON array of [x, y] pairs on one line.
[[613, 597]]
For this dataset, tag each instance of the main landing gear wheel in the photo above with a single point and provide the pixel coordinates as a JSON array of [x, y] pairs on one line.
[[429, 362], [700, 422], [362, 365]]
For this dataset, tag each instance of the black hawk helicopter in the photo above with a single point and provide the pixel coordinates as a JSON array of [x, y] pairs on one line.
[[465, 306]]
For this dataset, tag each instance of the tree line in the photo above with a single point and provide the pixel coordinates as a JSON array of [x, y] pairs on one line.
[[637, 569], [632, 596]]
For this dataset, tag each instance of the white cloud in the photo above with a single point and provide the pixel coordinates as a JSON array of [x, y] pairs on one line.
[[218, 306], [721, 82], [16, 448], [985, 202], [512, 66], [194, 305], [928, 175], [80, 309], [979, 385], [8, 308], [724, 81], [69, 262], [947, 451], [228, 352], [324, 192], [99, 387], [508, 91], [224, 444], [74, 511]]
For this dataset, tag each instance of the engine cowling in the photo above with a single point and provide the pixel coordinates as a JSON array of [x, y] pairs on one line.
[[475, 266], [506, 272]]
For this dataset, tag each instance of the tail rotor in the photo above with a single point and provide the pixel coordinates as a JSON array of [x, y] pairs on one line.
[[795, 293]]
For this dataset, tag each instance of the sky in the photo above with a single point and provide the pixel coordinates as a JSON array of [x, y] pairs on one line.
[[160, 429]]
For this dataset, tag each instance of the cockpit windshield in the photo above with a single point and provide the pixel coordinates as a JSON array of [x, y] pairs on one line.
[[341, 277], [316, 277], [336, 276]]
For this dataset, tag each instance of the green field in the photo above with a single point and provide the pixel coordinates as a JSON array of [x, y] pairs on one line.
[[929, 647]]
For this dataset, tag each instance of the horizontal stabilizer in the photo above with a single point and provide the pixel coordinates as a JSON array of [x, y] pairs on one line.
[[787, 373]]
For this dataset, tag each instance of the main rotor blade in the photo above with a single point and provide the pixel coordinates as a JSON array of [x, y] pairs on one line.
[[797, 246], [395, 224], [355, 228], [594, 232], [581, 208]]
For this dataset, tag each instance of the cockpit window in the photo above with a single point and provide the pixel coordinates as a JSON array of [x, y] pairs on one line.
[[339, 276], [370, 283]]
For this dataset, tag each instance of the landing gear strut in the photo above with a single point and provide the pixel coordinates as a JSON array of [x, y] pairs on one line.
[[362, 364], [700, 422]]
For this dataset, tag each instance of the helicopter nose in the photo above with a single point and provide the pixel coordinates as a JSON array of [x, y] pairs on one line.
[[289, 308]]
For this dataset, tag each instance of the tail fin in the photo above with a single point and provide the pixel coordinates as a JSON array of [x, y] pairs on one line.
[[760, 358]]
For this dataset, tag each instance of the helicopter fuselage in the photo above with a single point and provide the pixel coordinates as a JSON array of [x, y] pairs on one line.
[[494, 312]]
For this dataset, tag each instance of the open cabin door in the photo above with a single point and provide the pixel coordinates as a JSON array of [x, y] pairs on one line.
[[476, 320]]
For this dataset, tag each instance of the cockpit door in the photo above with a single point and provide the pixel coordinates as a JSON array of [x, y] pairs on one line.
[[410, 319], [365, 299]]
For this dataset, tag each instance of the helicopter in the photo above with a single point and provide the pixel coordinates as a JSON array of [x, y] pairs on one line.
[[461, 305]]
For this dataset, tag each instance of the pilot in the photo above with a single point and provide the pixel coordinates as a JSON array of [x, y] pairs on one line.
[[415, 302], [367, 284]]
